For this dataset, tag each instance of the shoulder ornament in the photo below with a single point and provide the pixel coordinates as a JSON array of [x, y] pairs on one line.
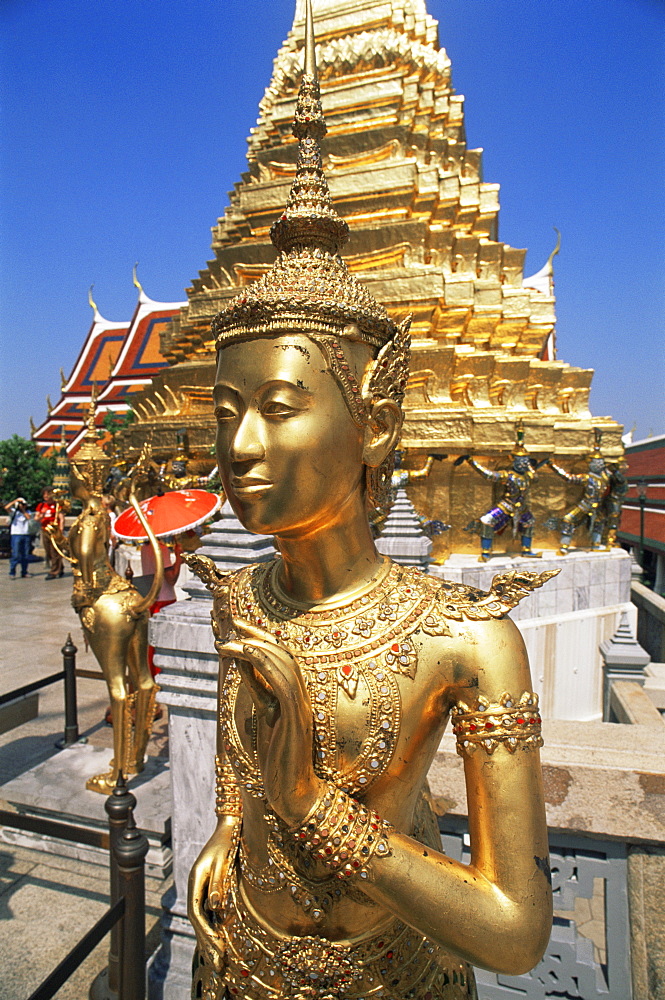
[[205, 569], [458, 602]]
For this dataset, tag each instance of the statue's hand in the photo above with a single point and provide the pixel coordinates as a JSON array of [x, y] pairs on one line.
[[205, 891], [284, 711]]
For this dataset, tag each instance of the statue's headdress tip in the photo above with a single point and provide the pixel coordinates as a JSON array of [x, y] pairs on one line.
[[309, 288]]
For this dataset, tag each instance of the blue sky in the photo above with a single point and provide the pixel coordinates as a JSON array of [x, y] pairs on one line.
[[124, 127]]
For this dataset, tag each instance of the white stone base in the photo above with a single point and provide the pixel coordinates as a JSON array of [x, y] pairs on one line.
[[563, 622], [56, 790]]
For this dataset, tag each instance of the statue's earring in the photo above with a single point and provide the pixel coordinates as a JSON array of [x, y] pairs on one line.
[[378, 494]]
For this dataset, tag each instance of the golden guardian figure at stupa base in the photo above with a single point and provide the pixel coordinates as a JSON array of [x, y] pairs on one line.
[[339, 670], [114, 616]]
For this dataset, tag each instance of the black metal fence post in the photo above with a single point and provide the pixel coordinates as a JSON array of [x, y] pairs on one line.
[[71, 736], [130, 855], [118, 806]]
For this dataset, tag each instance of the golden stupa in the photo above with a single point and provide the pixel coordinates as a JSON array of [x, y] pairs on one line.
[[424, 239]]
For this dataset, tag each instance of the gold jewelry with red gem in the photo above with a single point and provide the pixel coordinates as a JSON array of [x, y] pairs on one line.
[[509, 722], [316, 899], [227, 793], [340, 835]]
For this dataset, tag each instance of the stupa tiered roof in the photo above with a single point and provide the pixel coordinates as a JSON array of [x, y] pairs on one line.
[[424, 239], [117, 360]]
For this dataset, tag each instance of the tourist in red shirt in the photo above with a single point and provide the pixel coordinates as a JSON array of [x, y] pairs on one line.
[[48, 512], [167, 594]]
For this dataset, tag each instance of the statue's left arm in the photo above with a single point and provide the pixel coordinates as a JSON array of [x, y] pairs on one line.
[[568, 476], [497, 911]]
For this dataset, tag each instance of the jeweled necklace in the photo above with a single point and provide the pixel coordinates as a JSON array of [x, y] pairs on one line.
[[368, 638]]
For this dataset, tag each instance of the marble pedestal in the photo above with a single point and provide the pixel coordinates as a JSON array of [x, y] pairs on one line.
[[55, 790], [184, 649]]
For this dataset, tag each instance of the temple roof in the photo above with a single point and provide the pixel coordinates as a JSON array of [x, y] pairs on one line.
[[424, 223], [116, 358]]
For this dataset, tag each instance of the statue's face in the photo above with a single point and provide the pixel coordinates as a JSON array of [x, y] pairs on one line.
[[289, 453], [179, 468], [521, 463], [596, 465]]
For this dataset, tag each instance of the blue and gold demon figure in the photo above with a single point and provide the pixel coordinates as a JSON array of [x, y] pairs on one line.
[[514, 506]]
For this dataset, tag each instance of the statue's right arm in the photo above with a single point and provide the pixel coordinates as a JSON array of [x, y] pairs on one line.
[[569, 476], [207, 879], [58, 540], [495, 477]]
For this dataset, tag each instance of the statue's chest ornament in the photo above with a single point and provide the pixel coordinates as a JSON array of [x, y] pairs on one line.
[[367, 645], [364, 645]]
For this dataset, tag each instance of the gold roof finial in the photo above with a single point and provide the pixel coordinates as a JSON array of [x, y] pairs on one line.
[[135, 280], [63, 379], [550, 259], [49, 405], [91, 301], [33, 429]]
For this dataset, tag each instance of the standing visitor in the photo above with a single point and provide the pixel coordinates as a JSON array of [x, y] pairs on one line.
[[109, 505], [167, 594], [19, 529], [49, 512]]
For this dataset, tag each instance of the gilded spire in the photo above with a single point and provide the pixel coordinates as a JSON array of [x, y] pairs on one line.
[[91, 461], [309, 219], [309, 287], [135, 280]]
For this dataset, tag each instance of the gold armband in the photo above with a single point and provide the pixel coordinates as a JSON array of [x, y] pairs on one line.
[[227, 792], [508, 722], [339, 834]]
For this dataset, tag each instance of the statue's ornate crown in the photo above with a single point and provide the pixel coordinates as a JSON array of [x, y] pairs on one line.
[[91, 461]]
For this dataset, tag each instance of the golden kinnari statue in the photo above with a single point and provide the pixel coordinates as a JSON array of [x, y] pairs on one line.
[[113, 614], [339, 669]]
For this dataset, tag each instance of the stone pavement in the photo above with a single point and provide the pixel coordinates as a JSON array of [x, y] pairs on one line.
[[47, 902]]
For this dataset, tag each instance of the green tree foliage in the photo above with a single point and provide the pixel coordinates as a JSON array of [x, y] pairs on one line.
[[113, 422], [24, 471]]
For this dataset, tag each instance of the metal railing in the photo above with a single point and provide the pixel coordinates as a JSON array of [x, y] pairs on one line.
[[68, 674], [125, 917]]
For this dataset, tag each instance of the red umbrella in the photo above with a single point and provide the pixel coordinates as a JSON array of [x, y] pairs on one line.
[[169, 514]]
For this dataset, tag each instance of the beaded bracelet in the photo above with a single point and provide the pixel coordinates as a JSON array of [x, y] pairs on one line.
[[339, 834], [509, 722], [227, 794]]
